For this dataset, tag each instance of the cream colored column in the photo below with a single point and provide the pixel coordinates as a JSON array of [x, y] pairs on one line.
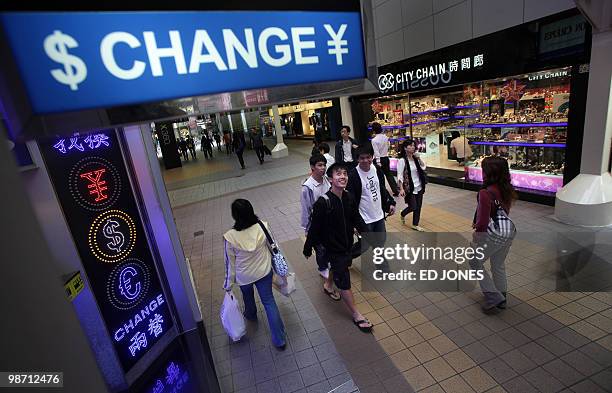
[[280, 150], [587, 199]]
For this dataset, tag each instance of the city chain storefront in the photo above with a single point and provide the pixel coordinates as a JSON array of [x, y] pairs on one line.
[[519, 93]]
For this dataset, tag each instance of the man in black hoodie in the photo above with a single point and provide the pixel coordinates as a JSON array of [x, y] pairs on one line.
[[334, 219]]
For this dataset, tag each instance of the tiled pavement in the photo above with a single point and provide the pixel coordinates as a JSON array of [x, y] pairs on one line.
[[546, 341]]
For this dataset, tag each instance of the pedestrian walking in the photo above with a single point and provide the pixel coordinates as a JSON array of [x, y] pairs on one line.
[[412, 180], [206, 146], [217, 139], [258, 144], [239, 144], [346, 147], [315, 186], [335, 217], [191, 147], [183, 149], [494, 231], [366, 184], [248, 263], [227, 140], [380, 145]]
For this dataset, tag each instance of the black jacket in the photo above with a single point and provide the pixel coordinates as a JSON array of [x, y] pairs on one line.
[[340, 154], [354, 187], [408, 175], [334, 227]]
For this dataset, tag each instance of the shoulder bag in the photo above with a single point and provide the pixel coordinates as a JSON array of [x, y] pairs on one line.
[[279, 263]]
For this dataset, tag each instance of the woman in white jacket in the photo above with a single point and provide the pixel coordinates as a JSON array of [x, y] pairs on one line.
[[248, 262]]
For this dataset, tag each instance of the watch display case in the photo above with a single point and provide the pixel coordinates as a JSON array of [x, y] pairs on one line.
[[522, 118]]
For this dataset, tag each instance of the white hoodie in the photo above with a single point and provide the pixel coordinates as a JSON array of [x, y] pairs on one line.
[[247, 256]]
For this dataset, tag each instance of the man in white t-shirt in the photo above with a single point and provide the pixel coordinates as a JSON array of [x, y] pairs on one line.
[[380, 145], [460, 147], [367, 186]]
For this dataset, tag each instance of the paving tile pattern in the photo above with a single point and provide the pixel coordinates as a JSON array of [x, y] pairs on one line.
[[546, 341]]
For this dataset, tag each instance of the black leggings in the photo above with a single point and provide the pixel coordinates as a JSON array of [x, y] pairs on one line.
[[414, 202]]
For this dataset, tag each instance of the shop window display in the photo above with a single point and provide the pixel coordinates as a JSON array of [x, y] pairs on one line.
[[522, 118]]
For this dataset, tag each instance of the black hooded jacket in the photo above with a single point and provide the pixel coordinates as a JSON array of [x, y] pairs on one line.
[[333, 226]]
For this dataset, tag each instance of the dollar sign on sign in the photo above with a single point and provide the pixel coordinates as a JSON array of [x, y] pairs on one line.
[[74, 72], [116, 237]]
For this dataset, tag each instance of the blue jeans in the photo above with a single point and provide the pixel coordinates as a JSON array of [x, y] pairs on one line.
[[264, 289], [377, 233]]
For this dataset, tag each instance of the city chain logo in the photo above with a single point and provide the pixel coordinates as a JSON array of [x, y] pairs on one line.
[[386, 81], [73, 69]]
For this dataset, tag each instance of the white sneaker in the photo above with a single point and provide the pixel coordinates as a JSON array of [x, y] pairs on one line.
[[324, 273], [418, 228]]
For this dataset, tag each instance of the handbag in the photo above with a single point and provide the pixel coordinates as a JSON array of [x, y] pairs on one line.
[[279, 263], [231, 317], [285, 285], [501, 228]]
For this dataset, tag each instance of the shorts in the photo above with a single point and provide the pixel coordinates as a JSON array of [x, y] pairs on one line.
[[341, 277], [340, 271]]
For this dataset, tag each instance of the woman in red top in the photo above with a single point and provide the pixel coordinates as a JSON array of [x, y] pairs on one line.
[[497, 187]]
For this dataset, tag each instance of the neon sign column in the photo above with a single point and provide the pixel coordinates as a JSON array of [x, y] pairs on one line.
[[91, 182]]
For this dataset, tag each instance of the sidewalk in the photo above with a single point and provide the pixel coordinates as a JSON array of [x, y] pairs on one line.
[[545, 341]]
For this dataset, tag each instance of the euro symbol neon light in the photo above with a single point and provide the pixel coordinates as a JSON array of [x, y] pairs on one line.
[[126, 288]]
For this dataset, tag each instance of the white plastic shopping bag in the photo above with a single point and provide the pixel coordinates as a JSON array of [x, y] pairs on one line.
[[231, 317], [285, 285]]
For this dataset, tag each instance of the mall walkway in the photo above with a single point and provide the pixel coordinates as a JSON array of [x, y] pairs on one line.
[[545, 341]]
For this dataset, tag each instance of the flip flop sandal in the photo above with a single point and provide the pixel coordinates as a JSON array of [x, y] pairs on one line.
[[333, 295], [365, 329]]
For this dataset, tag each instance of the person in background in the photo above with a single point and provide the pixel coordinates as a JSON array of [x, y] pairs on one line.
[[333, 223], [183, 149], [460, 147], [315, 148], [258, 144], [345, 148], [412, 179], [227, 140], [324, 150], [239, 145], [496, 190], [248, 262], [191, 147], [217, 139], [315, 186], [380, 145], [206, 145]]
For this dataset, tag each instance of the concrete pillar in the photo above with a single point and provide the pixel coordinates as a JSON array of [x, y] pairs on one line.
[[244, 122], [219, 123], [229, 118], [280, 150], [587, 199], [347, 114]]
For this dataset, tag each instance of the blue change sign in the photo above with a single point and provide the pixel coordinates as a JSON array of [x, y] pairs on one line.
[[77, 60]]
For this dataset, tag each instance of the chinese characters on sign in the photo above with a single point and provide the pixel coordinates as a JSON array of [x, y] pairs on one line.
[[432, 75], [92, 184]]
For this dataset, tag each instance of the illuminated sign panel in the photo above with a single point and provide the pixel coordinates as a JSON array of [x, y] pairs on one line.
[[93, 188]]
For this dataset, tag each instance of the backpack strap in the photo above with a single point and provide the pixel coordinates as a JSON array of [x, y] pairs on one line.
[[327, 202]]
